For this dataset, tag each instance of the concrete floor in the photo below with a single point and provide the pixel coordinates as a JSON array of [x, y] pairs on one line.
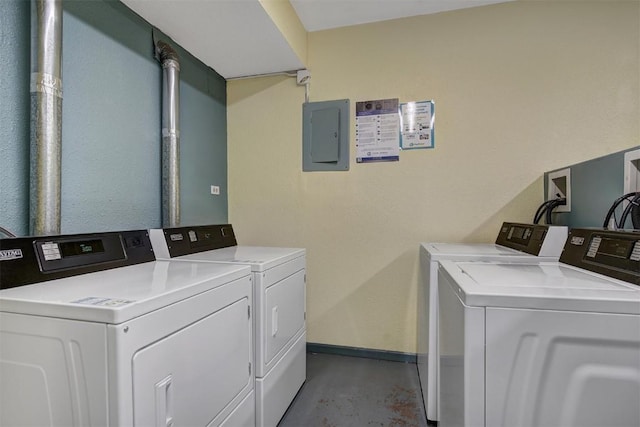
[[343, 391]]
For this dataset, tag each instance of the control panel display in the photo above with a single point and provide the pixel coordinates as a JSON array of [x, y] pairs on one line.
[[54, 251], [519, 234], [81, 248], [65, 253], [612, 247]]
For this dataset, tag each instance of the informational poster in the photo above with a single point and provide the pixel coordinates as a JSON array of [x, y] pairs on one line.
[[377, 131], [416, 124]]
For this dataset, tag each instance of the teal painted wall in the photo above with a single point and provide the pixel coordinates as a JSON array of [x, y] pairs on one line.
[[595, 185], [14, 115], [111, 123]]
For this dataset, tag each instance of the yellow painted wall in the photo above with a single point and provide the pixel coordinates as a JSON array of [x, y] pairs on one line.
[[520, 88], [285, 18]]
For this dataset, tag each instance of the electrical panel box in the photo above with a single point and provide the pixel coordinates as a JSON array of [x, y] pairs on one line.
[[325, 135]]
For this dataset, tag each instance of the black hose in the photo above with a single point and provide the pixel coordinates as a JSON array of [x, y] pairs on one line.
[[632, 204], [635, 217], [542, 208], [540, 211], [6, 232], [613, 207], [545, 207], [555, 203]]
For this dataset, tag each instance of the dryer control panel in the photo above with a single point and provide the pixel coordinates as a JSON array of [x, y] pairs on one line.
[[179, 241], [534, 239], [612, 253], [27, 260]]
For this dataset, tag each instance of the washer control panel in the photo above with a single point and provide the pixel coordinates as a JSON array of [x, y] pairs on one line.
[[613, 253], [527, 238]]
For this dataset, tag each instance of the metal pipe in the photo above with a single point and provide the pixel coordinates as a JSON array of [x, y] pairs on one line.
[[168, 57], [46, 116]]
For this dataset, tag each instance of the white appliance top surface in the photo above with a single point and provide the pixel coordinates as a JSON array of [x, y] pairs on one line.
[[545, 285], [121, 294], [478, 251], [258, 257]]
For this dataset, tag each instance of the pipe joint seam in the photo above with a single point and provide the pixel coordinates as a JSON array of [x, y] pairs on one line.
[[171, 63], [46, 83], [170, 133]]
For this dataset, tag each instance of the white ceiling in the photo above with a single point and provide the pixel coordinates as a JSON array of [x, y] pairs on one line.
[[318, 15], [237, 38], [234, 37]]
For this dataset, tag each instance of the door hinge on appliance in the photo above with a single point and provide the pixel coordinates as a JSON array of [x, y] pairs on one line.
[[249, 368], [249, 311]]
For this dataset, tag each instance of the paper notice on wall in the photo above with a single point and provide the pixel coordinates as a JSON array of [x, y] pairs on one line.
[[377, 131], [416, 124]]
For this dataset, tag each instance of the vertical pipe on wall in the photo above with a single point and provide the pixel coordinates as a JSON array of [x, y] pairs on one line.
[[46, 116], [168, 57]]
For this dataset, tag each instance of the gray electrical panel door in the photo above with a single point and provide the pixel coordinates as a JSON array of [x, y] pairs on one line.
[[325, 138]]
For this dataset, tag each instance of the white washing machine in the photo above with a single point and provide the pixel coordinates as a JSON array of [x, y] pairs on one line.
[[94, 332], [526, 243], [279, 299], [547, 344]]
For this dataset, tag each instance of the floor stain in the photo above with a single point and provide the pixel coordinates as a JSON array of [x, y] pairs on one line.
[[326, 423], [350, 397], [402, 402]]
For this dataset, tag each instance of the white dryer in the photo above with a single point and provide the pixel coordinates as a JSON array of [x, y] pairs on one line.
[[279, 276], [547, 344], [94, 332], [525, 243]]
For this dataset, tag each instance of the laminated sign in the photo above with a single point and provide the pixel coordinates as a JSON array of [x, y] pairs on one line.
[[416, 124], [377, 131]]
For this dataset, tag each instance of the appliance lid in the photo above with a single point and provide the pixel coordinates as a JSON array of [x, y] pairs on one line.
[[260, 258], [470, 249], [479, 252], [545, 285], [117, 295]]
